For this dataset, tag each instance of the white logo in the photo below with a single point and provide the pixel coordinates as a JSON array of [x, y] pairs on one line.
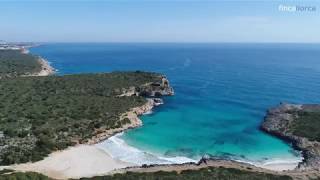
[[296, 8]]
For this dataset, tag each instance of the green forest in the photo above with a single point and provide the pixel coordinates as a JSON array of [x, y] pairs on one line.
[[39, 115], [306, 124], [13, 63]]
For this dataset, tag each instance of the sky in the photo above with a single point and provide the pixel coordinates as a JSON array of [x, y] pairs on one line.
[[158, 21]]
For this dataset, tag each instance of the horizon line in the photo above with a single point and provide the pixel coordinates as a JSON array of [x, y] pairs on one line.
[[164, 42]]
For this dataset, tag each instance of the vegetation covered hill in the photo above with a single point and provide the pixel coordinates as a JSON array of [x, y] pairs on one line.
[[307, 124], [22, 176], [13, 63], [209, 173], [41, 114]]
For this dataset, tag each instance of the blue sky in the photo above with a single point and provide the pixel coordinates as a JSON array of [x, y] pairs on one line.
[[157, 21]]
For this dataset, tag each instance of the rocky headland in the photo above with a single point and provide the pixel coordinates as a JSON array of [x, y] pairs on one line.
[[46, 68], [299, 125], [84, 158], [152, 92], [151, 89]]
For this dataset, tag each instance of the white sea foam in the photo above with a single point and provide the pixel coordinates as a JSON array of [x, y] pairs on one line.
[[119, 149], [158, 104], [282, 161], [148, 112], [276, 164], [280, 164]]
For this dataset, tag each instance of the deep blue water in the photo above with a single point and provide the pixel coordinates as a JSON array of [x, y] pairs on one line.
[[222, 93]]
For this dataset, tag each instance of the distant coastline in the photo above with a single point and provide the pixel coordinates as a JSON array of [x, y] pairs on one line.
[[46, 68]]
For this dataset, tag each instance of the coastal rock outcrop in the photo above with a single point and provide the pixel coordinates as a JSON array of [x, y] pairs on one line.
[[156, 89], [132, 121], [152, 89], [41, 115], [290, 122]]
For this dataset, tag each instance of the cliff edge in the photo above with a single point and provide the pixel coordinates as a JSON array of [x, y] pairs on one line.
[[299, 125]]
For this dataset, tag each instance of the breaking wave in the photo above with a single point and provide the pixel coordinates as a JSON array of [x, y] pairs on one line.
[[119, 149]]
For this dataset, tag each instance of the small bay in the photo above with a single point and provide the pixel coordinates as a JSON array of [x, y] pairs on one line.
[[222, 94]]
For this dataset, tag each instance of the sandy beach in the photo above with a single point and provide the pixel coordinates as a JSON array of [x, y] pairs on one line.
[[85, 160], [75, 162], [90, 160], [281, 166]]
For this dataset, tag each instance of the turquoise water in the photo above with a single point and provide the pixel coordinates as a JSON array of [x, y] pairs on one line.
[[222, 93]]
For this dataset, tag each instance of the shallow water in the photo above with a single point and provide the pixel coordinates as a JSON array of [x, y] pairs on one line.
[[222, 93]]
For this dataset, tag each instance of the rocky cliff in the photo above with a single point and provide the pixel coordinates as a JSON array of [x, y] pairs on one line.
[[151, 89], [289, 122]]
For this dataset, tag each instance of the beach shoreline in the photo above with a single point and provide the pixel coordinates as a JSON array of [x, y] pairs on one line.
[[64, 164], [86, 160], [46, 68], [74, 162], [217, 163]]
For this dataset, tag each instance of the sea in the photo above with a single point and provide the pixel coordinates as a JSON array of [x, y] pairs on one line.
[[222, 93]]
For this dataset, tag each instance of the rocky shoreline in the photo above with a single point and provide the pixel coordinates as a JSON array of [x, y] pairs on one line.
[[152, 92], [279, 121], [46, 68], [276, 122], [95, 161], [132, 116]]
